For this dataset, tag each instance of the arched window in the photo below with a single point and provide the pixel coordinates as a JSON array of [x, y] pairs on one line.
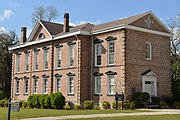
[[148, 51], [41, 36]]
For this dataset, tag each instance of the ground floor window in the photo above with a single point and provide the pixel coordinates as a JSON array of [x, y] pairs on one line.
[[17, 86], [25, 86], [45, 86], [71, 85], [35, 86], [97, 85], [58, 84], [111, 85]]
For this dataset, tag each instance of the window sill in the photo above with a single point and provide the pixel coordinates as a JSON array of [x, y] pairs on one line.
[[111, 65], [148, 59], [111, 94], [98, 94], [71, 67], [100, 66], [25, 94], [17, 94], [70, 94]]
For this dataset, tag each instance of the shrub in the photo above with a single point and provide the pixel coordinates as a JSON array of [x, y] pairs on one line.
[[66, 107], [106, 105], [176, 105], [6, 103], [96, 107], [30, 102], [24, 104], [20, 103], [42, 100], [88, 104], [169, 100], [2, 102], [162, 104], [132, 105], [47, 102], [57, 100], [1, 95], [114, 105], [35, 100], [140, 99], [155, 100], [126, 104], [77, 107]]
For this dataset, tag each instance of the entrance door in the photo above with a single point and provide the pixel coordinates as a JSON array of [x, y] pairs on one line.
[[149, 84]]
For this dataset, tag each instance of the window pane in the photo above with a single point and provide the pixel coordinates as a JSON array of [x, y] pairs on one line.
[[58, 84], [27, 62], [148, 50], [71, 85], [98, 54], [97, 85], [58, 57], [71, 55], [35, 85], [111, 84], [36, 60], [17, 86], [17, 63], [45, 59], [111, 53]]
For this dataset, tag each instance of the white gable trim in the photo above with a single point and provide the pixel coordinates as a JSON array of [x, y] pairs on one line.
[[45, 28], [148, 30]]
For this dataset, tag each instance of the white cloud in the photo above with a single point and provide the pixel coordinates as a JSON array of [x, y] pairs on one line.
[[83, 22], [6, 14], [2, 30], [14, 4]]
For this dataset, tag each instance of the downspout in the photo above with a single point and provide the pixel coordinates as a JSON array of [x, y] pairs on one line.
[[12, 76], [92, 56], [125, 36], [78, 82], [52, 66]]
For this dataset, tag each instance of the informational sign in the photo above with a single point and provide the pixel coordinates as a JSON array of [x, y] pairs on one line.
[[119, 97], [15, 106]]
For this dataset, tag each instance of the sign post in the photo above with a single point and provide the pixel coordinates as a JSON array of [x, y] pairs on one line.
[[119, 97], [12, 106], [9, 108]]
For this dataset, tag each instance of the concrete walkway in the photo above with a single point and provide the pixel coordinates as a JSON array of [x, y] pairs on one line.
[[157, 112]]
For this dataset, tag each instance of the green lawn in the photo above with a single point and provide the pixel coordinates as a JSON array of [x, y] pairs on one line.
[[150, 117], [30, 113]]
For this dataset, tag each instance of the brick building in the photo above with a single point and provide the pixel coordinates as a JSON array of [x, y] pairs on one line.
[[93, 61]]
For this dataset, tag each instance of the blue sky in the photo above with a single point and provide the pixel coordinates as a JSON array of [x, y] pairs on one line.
[[17, 13]]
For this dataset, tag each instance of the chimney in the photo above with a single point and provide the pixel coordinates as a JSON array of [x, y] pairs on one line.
[[66, 22], [23, 34]]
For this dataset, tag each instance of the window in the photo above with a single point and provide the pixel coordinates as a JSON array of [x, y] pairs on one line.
[[25, 86], [36, 60], [148, 51], [98, 54], [111, 85], [17, 86], [58, 84], [110, 52], [71, 85], [58, 57], [41, 36], [45, 86], [27, 62], [35, 86], [71, 55], [46, 59], [97, 85], [17, 63]]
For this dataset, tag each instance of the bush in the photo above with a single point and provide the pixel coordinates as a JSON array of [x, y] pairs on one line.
[[57, 100], [169, 100], [35, 100], [66, 107], [114, 105], [42, 100], [96, 107], [30, 102], [106, 105], [176, 105], [1, 95], [88, 104], [24, 104], [2, 102], [140, 99], [6, 103], [47, 102], [132, 105], [20, 103], [155, 100], [77, 107], [126, 104]]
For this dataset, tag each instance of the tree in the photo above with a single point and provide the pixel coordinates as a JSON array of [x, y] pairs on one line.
[[44, 13], [174, 26], [6, 40]]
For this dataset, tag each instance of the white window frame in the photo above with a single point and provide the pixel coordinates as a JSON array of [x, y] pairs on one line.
[[35, 88], [45, 85], [36, 60], [71, 55], [46, 59], [58, 57], [17, 63], [96, 54], [27, 65], [109, 85], [71, 86], [26, 84], [150, 51], [17, 87], [58, 86], [97, 81], [109, 42]]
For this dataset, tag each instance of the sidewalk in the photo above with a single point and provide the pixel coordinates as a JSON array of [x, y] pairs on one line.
[[158, 112]]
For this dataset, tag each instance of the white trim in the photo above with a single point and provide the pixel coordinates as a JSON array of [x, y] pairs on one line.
[[149, 50], [45, 28], [108, 29], [148, 30], [96, 83]]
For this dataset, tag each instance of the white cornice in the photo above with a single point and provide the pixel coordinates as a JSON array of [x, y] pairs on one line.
[[148, 30]]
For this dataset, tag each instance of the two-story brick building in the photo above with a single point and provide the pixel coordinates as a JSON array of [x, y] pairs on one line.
[[93, 61]]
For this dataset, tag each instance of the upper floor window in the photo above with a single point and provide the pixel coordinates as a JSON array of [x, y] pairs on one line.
[[36, 60], [148, 48], [98, 54], [26, 62], [58, 57], [110, 52], [111, 84], [17, 63], [46, 59], [71, 55], [41, 36]]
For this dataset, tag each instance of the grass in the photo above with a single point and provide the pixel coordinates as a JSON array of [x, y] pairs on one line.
[[149, 117], [32, 113]]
